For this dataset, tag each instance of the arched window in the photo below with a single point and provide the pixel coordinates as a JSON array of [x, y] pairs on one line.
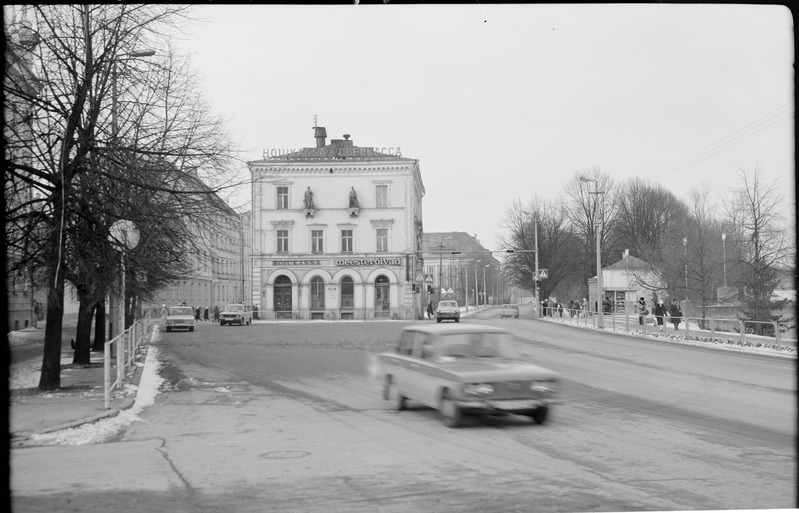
[[317, 293], [347, 292]]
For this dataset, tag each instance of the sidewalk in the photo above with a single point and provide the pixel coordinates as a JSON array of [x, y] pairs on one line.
[[81, 398]]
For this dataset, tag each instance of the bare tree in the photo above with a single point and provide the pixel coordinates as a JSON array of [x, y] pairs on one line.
[[703, 247], [113, 137], [756, 211]]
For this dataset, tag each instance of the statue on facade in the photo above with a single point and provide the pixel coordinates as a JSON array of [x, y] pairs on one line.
[[308, 198], [353, 198]]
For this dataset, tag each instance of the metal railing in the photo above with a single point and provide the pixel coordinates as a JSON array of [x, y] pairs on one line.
[[742, 331], [123, 349]]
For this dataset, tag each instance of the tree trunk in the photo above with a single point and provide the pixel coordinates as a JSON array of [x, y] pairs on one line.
[[50, 378], [99, 327], [83, 333]]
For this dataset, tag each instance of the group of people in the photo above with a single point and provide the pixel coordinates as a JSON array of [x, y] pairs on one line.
[[661, 311]]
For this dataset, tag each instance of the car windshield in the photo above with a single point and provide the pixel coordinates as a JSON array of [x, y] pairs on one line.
[[181, 310], [447, 304], [477, 345], [234, 308]]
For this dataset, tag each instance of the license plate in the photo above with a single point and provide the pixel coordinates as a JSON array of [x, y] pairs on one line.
[[519, 404]]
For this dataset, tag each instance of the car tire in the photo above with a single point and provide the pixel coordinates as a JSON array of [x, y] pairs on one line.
[[395, 397], [191, 328], [540, 415], [438, 319], [457, 319], [168, 329], [449, 411]]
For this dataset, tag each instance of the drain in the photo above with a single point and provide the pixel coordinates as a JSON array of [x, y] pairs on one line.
[[284, 455]]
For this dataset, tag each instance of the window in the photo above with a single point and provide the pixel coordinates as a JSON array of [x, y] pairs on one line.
[[317, 293], [347, 292], [282, 241], [282, 197], [381, 196], [317, 236], [346, 241], [382, 240]]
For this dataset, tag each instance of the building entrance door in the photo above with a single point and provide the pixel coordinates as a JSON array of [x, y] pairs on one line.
[[382, 297], [283, 298]]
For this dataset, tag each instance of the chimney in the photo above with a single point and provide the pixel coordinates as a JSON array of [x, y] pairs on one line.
[[320, 134]]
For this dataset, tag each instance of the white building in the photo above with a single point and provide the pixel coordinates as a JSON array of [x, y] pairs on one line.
[[336, 232]]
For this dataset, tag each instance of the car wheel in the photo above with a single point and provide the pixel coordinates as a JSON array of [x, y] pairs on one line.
[[539, 415], [438, 319], [168, 329], [450, 412], [191, 329], [457, 319], [395, 397]]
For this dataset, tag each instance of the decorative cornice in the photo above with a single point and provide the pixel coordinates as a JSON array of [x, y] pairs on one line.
[[282, 223], [381, 223]]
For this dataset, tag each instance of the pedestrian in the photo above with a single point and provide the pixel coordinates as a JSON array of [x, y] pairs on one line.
[[560, 309], [675, 314], [429, 308], [205, 314], [216, 313], [197, 314], [660, 311], [642, 311], [584, 308], [606, 306], [163, 314], [546, 307], [36, 312]]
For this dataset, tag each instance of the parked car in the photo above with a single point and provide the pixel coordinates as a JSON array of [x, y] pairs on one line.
[[180, 317], [236, 314], [509, 311], [448, 309], [467, 369]]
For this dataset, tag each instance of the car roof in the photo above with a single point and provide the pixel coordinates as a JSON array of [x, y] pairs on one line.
[[439, 329]]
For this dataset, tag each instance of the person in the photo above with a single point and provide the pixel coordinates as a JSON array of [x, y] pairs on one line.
[[660, 312], [353, 198], [216, 313], [675, 314], [546, 307], [36, 312], [163, 314], [197, 314], [560, 309], [430, 309], [606, 306], [308, 198], [205, 314], [584, 308], [642, 311]]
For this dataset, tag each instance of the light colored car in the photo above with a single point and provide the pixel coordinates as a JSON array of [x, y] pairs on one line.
[[509, 311], [236, 314], [448, 309], [180, 317], [466, 369]]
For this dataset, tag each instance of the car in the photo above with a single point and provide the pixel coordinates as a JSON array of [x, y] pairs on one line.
[[180, 317], [466, 369], [448, 309], [509, 311], [236, 313]]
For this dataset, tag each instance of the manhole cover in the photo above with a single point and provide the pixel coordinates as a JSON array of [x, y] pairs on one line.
[[284, 455]]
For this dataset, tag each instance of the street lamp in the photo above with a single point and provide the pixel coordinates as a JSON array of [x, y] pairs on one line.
[[133, 54], [124, 236], [685, 249], [476, 287], [485, 290], [599, 292], [724, 253]]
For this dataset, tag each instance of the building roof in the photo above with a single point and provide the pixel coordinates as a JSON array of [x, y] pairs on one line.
[[628, 263]]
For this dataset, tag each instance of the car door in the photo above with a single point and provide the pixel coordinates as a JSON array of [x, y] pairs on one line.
[[397, 364]]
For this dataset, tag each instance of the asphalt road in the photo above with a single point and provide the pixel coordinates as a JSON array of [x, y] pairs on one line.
[[288, 417]]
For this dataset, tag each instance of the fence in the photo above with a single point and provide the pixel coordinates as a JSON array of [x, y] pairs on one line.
[[742, 331], [123, 349]]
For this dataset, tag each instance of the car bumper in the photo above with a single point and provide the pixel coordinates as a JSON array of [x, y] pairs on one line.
[[448, 316], [505, 405]]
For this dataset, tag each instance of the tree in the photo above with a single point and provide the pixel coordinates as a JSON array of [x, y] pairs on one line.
[[756, 212], [703, 247], [107, 130]]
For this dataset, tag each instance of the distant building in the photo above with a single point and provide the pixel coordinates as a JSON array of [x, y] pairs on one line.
[[627, 280], [336, 232], [457, 261]]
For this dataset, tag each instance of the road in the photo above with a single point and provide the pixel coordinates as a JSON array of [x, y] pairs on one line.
[[287, 417]]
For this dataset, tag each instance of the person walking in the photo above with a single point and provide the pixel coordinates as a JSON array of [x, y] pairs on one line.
[[429, 308], [205, 314], [216, 313], [197, 314], [675, 314], [642, 311], [660, 312], [163, 314]]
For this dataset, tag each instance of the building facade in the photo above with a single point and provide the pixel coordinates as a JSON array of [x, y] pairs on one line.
[[336, 232], [627, 280]]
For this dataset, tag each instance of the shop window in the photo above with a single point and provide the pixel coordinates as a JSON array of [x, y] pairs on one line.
[[317, 293], [347, 293]]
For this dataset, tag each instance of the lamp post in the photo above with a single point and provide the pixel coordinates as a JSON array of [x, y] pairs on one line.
[[476, 287], [485, 290], [599, 292], [134, 54], [685, 256], [724, 253], [124, 235]]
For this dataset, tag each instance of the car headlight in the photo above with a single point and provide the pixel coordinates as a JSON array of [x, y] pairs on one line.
[[478, 388], [548, 386]]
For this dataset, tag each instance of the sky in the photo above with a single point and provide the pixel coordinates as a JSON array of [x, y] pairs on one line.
[[505, 103]]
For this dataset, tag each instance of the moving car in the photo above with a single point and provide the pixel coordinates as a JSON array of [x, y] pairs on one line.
[[180, 317], [448, 309], [466, 369], [509, 311], [236, 314]]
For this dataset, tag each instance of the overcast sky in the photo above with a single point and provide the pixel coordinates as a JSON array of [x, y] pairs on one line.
[[502, 103]]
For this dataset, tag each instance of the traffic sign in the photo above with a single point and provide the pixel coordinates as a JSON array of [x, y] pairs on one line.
[[419, 277], [429, 278], [543, 274]]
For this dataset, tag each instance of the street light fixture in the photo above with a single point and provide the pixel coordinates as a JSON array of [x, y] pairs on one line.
[[485, 290], [124, 236], [476, 287], [599, 291], [724, 253]]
